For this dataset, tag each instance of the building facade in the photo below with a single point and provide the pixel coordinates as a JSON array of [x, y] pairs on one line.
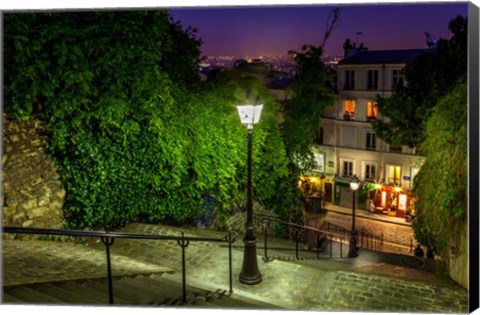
[[347, 144]]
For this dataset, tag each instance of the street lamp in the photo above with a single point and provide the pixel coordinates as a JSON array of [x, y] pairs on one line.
[[354, 185], [250, 115]]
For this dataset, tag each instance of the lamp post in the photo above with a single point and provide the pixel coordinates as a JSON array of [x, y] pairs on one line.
[[250, 115], [354, 185]]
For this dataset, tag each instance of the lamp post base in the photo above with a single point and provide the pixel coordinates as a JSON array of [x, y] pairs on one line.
[[250, 274]]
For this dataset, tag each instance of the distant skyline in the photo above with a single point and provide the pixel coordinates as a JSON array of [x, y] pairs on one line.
[[274, 30]]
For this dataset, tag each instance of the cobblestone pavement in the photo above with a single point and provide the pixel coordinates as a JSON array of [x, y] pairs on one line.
[[370, 282], [33, 261], [397, 233]]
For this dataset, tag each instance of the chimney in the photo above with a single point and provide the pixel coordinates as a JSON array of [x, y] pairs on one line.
[[350, 50]]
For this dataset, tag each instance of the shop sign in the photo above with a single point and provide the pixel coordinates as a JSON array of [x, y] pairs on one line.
[[406, 177]]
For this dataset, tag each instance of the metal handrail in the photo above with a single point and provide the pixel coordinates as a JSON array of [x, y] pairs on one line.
[[370, 241], [273, 218], [108, 239], [327, 235]]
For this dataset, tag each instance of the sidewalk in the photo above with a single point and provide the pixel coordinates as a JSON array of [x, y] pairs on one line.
[[371, 282], [367, 215]]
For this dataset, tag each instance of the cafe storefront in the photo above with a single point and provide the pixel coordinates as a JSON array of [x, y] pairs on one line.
[[317, 189], [392, 200]]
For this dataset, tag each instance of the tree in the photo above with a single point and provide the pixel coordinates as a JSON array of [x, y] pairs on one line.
[[441, 184], [429, 76], [309, 97], [85, 56]]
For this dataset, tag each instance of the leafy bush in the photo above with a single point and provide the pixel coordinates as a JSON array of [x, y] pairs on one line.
[[134, 137], [441, 183]]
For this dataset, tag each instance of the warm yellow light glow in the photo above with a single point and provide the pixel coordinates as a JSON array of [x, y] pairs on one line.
[[378, 186], [394, 172], [398, 189], [313, 179], [349, 106], [402, 204], [372, 109], [249, 114], [384, 198], [354, 186]]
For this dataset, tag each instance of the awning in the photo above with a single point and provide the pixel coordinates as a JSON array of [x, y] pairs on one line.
[[341, 180]]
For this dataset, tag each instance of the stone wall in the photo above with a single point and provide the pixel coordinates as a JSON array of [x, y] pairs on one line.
[[236, 222], [33, 195], [458, 260]]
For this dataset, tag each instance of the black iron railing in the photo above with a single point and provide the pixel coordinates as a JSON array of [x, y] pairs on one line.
[[108, 239], [319, 237], [364, 239]]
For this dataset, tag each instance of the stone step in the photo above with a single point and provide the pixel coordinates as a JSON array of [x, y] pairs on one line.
[[8, 299], [121, 294], [159, 289], [142, 290], [202, 303], [66, 295], [220, 298], [230, 303], [101, 296], [30, 295]]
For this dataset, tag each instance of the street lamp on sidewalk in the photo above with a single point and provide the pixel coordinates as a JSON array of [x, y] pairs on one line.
[[354, 185], [250, 115]]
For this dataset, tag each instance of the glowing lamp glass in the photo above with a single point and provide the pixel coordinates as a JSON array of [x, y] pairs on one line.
[[249, 114]]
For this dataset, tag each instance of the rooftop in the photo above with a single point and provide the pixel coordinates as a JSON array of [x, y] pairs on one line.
[[382, 56]]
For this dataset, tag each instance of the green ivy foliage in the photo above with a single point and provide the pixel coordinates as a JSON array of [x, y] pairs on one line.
[[273, 183], [429, 76], [309, 97], [441, 183], [134, 135]]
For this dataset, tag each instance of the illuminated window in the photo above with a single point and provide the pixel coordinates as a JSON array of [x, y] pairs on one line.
[[372, 109], [394, 174], [348, 109], [402, 202], [384, 199]]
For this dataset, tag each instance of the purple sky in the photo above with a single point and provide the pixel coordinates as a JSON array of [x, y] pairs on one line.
[[273, 30]]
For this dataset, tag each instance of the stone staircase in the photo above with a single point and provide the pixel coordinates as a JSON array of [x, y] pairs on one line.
[[140, 290]]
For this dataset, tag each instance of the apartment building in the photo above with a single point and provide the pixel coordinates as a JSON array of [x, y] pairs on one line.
[[347, 144]]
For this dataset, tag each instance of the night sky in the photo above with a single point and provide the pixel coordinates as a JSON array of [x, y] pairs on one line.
[[274, 30]]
